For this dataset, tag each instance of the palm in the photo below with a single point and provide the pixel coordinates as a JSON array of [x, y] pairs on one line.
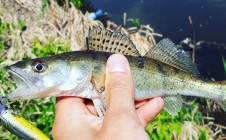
[[76, 118]]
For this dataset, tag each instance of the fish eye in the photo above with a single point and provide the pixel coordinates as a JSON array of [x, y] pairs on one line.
[[39, 66]]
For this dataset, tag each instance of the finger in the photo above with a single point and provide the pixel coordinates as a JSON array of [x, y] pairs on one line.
[[73, 114], [67, 108], [91, 107], [121, 113], [68, 104], [151, 109], [89, 104], [138, 104], [119, 84]]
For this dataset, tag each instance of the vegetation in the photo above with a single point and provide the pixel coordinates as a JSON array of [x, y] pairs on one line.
[[83, 5], [224, 62], [41, 112], [164, 126], [77, 3], [135, 22], [52, 48]]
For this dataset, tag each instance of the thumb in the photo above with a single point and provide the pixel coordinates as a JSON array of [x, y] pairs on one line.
[[119, 84]]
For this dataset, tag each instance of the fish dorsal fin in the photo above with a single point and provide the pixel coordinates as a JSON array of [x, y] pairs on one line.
[[169, 53], [173, 104], [104, 40]]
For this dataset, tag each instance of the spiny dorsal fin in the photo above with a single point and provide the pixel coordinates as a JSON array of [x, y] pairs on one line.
[[173, 104], [104, 40], [169, 53]]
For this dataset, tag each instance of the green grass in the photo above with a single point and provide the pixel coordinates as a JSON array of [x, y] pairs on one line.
[[162, 127], [224, 62], [46, 49]]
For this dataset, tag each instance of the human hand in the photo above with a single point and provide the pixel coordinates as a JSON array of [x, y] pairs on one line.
[[76, 118]]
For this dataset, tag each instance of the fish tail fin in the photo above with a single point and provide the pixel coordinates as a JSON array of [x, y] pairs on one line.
[[222, 105]]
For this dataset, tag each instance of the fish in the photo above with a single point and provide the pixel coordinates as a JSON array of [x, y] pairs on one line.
[[18, 125], [165, 70]]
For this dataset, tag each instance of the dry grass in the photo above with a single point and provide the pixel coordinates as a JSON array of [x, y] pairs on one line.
[[191, 131], [55, 23], [58, 24]]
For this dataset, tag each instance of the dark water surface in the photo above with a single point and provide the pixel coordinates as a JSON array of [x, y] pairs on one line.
[[170, 17]]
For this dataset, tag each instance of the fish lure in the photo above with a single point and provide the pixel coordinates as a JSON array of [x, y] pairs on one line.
[[18, 125]]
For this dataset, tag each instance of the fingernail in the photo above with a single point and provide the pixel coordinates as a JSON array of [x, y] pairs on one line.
[[117, 63]]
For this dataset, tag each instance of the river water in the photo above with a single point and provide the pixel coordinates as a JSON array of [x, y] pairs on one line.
[[170, 17]]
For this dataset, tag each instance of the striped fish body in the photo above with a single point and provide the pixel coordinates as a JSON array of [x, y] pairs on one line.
[[153, 78], [164, 71]]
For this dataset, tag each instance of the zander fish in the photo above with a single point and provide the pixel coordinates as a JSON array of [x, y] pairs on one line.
[[164, 71]]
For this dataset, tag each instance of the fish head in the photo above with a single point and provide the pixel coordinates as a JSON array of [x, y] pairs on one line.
[[36, 75]]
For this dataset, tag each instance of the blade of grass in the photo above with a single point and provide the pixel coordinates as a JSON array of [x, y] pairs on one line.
[[224, 62]]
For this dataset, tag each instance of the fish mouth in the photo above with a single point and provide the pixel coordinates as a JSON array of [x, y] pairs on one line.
[[17, 77], [24, 87]]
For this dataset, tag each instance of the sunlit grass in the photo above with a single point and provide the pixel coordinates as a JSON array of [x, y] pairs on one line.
[[165, 126]]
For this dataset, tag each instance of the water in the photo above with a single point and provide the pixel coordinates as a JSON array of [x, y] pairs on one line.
[[170, 17]]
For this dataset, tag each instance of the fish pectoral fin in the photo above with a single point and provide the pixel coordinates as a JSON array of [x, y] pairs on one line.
[[105, 40], [173, 104], [99, 107], [169, 53]]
